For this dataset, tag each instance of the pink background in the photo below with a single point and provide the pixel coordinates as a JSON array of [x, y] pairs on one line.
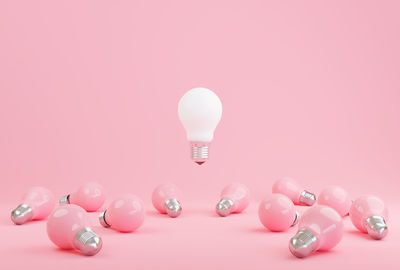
[[89, 92]]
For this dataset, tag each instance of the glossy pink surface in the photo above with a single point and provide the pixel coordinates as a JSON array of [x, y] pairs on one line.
[[41, 200], [125, 213], [365, 207], [288, 187], [325, 223], [239, 194], [64, 223], [336, 198], [277, 212], [165, 192], [90, 196]]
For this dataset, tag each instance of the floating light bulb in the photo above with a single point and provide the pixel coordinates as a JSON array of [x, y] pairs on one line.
[[320, 228], [90, 196], [235, 198], [293, 190], [200, 111], [125, 214], [336, 198], [277, 213], [36, 204], [67, 227], [166, 198], [369, 215]]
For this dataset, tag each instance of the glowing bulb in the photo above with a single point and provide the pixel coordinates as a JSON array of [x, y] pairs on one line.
[[200, 111]]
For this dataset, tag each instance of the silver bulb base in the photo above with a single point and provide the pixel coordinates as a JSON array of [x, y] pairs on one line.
[[64, 200], [303, 243], [23, 213], [102, 219], [173, 207], [307, 198], [199, 152], [224, 207], [376, 227], [296, 219], [88, 242]]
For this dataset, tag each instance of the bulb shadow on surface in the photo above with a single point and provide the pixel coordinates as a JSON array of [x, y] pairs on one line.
[[361, 235]]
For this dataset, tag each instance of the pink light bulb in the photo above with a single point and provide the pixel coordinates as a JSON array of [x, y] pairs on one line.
[[165, 199], [294, 191], [277, 213], [125, 214], [320, 228], [234, 198], [90, 196], [36, 204], [369, 215], [336, 198], [67, 227]]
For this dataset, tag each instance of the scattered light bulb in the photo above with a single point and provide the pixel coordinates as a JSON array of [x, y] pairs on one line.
[[165, 199], [336, 198], [90, 196], [277, 213], [125, 214], [36, 204], [320, 228], [293, 190], [235, 198], [369, 215], [67, 227], [200, 111]]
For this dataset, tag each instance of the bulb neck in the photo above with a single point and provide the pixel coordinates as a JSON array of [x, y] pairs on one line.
[[224, 207], [199, 151], [23, 213], [173, 207], [303, 243], [102, 219], [307, 198], [88, 241], [64, 200], [376, 227]]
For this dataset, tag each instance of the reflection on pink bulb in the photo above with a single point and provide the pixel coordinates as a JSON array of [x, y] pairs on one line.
[[166, 198], [289, 187], [234, 198], [36, 204], [277, 213], [369, 215], [125, 214], [90, 196], [68, 228], [320, 228], [336, 198]]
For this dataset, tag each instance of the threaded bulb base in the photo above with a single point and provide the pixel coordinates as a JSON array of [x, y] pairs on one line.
[[303, 243], [23, 213], [199, 152], [88, 242], [224, 207], [376, 227], [173, 207], [307, 198]]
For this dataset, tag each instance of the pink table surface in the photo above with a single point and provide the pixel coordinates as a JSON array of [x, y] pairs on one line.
[[196, 240]]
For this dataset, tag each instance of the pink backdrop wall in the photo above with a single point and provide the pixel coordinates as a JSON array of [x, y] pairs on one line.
[[89, 91]]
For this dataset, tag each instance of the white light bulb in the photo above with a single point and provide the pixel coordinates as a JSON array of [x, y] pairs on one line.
[[200, 111]]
